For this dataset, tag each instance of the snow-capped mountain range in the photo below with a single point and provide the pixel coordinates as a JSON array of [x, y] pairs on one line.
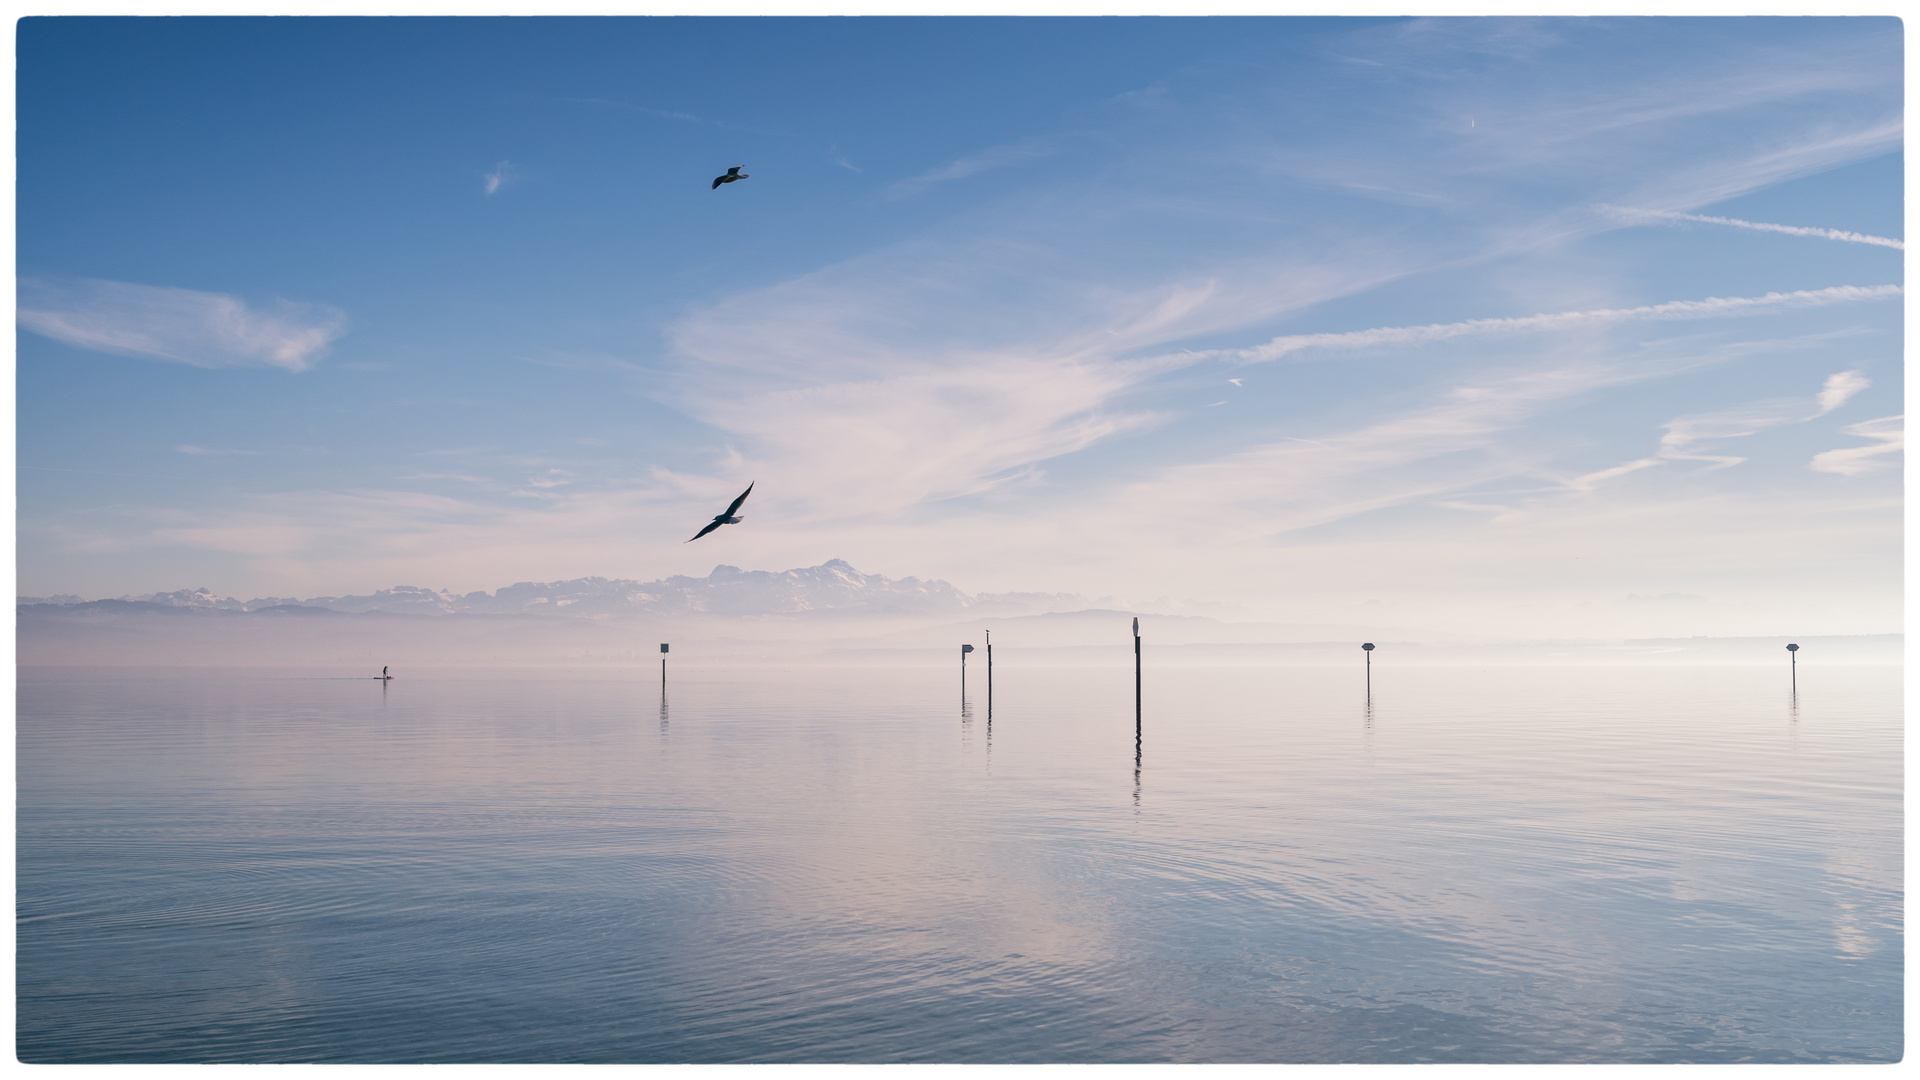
[[833, 586]]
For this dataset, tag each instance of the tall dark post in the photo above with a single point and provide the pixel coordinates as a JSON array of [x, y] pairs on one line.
[[1793, 666], [663, 667], [964, 650], [989, 676], [1368, 646]]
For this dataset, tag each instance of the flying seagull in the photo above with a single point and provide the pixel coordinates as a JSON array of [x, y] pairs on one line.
[[726, 518], [732, 175]]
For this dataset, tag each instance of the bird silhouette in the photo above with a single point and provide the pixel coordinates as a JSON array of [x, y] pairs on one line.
[[732, 175], [727, 518]]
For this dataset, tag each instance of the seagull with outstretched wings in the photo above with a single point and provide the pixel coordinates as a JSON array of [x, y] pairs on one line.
[[732, 175], [727, 518]]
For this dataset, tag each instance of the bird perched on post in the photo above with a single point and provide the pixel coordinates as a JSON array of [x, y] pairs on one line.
[[727, 518], [732, 175]]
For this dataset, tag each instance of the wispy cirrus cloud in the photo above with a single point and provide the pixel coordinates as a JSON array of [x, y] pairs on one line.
[[1687, 438], [203, 329], [1889, 435], [1685, 433], [1710, 308], [997, 157], [873, 387], [1814, 148], [1758, 226], [1298, 483]]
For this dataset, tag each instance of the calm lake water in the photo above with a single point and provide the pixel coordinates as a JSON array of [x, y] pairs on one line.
[[1600, 864]]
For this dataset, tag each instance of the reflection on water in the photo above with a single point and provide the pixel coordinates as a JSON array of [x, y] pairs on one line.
[[1573, 865]]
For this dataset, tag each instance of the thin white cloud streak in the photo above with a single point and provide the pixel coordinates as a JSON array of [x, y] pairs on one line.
[[1462, 440], [1679, 137], [1280, 487], [1710, 308], [1760, 226], [1889, 435], [1704, 185], [209, 330], [996, 157], [1684, 434], [498, 177]]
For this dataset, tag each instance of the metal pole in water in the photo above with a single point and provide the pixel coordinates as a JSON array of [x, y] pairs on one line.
[[1368, 646], [964, 650], [1793, 666], [989, 675], [663, 667]]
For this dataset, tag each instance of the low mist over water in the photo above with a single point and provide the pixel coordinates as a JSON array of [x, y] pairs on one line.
[[1619, 863]]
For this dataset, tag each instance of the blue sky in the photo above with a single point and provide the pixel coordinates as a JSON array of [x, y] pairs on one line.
[[1464, 323]]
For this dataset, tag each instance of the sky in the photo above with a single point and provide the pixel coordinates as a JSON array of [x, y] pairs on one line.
[[1537, 328]]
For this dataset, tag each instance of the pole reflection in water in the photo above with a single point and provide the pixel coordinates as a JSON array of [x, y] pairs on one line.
[[1136, 764], [663, 708]]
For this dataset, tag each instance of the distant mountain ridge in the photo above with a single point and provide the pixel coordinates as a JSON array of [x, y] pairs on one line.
[[833, 586]]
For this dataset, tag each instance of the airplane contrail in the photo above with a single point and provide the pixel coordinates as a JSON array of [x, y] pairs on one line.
[[1711, 307], [1762, 226]]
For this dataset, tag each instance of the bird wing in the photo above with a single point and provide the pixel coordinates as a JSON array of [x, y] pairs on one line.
[[717, 181], [711, 525], [741, 499], [735, 171]]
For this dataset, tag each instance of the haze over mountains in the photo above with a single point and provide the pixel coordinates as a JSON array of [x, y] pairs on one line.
[[831, 612], [832, 587]]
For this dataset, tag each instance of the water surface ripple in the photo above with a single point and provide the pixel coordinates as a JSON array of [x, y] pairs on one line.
[[1599, 864]]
